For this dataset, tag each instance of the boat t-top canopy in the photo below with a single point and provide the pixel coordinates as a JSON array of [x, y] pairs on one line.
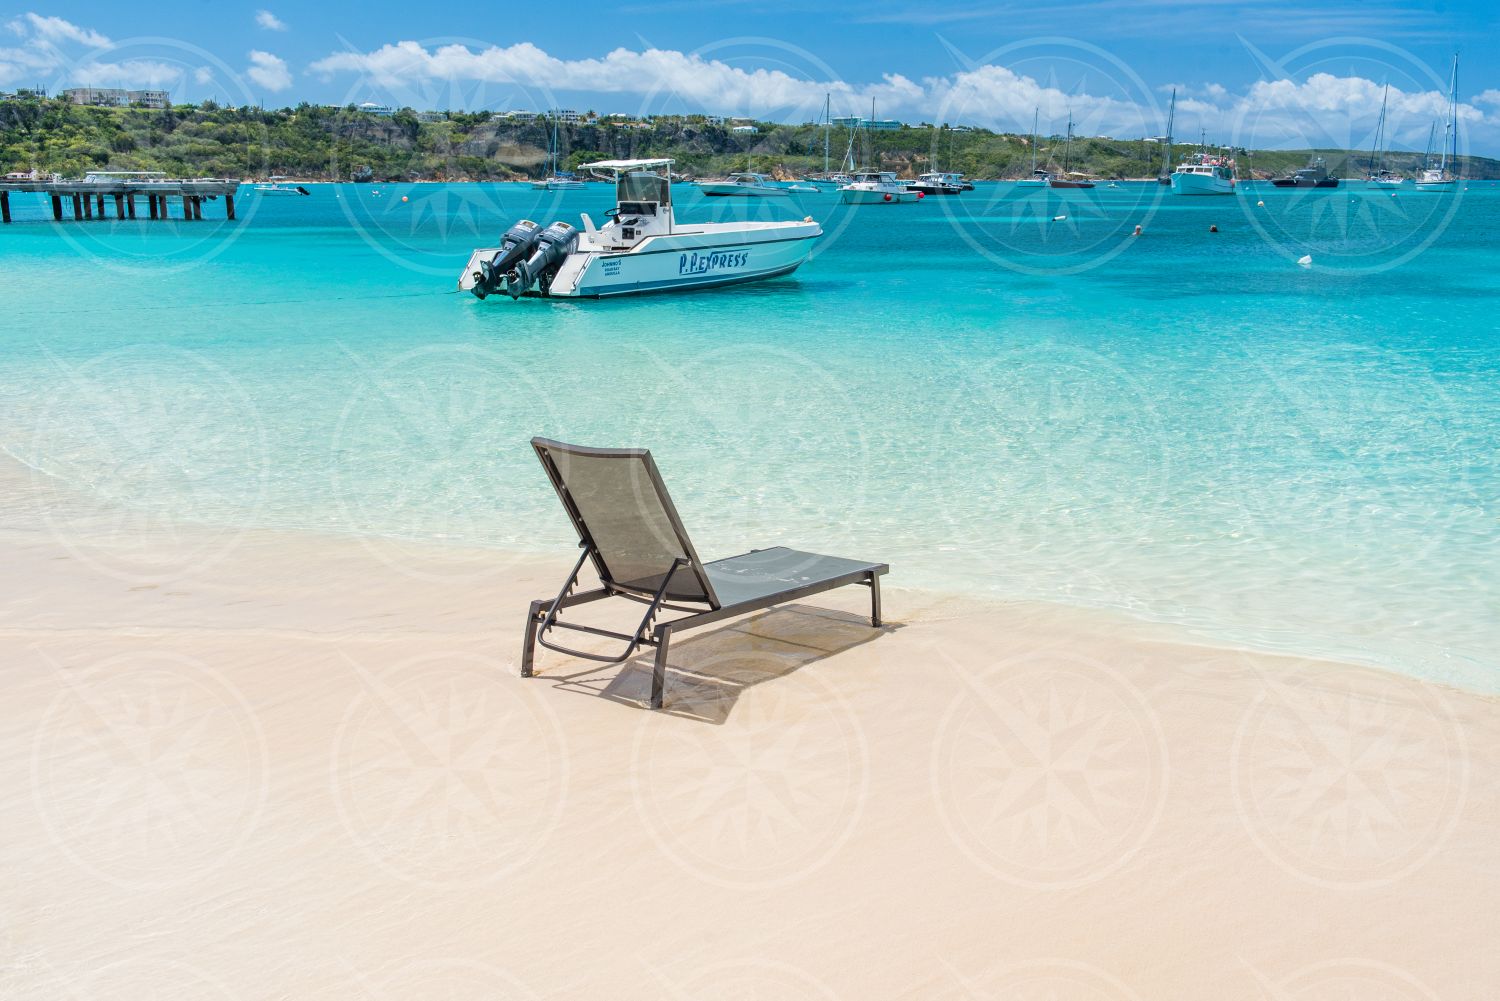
[[627, 166]]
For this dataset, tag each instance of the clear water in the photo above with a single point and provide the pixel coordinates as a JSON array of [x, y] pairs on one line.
[[1185, 425]]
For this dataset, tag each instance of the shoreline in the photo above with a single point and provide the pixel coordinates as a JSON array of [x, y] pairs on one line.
[[321, 749], [18, 480]]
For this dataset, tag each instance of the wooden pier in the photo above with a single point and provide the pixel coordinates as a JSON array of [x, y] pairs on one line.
[[91, 196]]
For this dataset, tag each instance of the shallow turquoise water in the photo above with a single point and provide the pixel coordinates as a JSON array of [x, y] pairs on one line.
[[1185, 425]]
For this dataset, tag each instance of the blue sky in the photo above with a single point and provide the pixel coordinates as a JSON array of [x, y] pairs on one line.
[[1270, 74]]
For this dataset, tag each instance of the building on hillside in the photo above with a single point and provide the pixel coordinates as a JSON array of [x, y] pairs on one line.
[[371, 108], [430, 116], [855, 122], [521, 116], [713, 119], [748, 130], [567, 116], [115, 97]]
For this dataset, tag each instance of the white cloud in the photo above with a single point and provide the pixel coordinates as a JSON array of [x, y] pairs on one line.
[[39, 51], [203, 75], [1321, 110], [147, 74], [269, 21], [55, 29], [269, 71]]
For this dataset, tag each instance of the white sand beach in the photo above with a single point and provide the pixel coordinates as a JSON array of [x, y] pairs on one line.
[[268, 766]]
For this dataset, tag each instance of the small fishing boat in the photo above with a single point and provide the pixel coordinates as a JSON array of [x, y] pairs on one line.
[[1440, 174], [276, 185], [555, 179], [1069, 178], [745, 185], [1314, 175], [1379, 176], [876, 187], [641, 248], [1204, 173], [939, 183]]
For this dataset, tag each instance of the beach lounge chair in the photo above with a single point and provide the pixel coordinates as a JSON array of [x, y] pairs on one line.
[[629, 529]]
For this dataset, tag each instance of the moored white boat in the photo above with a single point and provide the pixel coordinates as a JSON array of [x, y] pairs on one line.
[[1379, 176], [274, 186], [876, 187], [938, 182], [1204, 173], [556, 179], [743, 185], [1442, 175], [642, 248]]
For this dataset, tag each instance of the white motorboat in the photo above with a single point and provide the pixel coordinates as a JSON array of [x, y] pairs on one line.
[[1204, 173], [745, 185], [1441, 174], [276, 185], [642, 248], [1038, 179], [876, 187], [939, 183]]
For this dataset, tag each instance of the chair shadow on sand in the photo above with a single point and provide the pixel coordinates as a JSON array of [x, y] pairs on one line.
[[708, 671]]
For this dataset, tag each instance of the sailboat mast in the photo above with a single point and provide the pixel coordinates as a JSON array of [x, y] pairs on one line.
[[1035, 115], [1166, 152], [1068, 146], [1376, 147], [827, 124], [1453, 113]]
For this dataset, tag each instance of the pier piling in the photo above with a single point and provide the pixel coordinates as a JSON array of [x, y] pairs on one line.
[[89, 195]]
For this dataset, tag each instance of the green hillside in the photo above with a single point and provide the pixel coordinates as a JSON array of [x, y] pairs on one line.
[[322, 143]]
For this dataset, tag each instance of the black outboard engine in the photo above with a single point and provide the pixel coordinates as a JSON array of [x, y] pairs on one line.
[[515, 246], [552, 245]]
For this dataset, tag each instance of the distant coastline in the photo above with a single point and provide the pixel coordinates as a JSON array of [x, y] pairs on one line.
[[320, 143]]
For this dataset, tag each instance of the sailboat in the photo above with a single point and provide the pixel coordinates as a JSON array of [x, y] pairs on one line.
[[1038, 178], [1065, 181], [1443, 176], [1165, 177], [1379, 176], [556, 180]]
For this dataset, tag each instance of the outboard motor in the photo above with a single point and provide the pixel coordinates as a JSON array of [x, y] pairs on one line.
[[515, 246], [552, 245]]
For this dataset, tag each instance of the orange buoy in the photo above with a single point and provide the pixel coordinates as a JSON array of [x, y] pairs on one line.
[[403, 198], [921, 195], [887, 197]]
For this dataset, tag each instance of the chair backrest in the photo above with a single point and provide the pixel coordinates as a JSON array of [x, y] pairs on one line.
[[620, 506]]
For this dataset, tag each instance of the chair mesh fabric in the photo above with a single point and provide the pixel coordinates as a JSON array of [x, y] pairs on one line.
[[628, 521]]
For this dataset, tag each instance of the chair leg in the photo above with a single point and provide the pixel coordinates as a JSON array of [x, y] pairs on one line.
[[659, 670], [528, 646], [875, 600]]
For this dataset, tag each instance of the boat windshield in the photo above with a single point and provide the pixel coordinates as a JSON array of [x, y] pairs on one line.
[[640, 188]]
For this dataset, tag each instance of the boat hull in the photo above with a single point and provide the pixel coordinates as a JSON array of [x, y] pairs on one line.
[[1059, 183], [707, 256], [858, 196], [728, 190], [1201, 184], [1298, 182], [557, 185], [1385, 182]]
